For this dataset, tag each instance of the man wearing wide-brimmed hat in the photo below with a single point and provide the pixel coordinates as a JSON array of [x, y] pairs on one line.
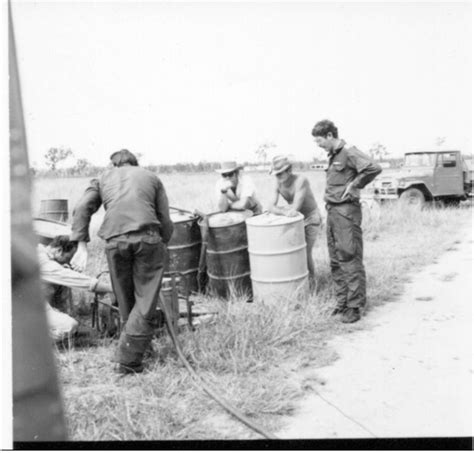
[[235, 190], [296, 191]]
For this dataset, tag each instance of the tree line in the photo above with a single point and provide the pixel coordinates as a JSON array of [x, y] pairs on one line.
[[84, 168]]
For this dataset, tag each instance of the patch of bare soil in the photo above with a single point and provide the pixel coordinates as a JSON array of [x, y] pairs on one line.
[[408, 372]]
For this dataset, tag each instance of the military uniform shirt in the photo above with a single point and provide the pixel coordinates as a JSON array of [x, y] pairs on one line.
[[348, 164]]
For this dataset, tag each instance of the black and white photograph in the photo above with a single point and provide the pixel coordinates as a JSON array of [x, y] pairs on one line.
[[237, 225]]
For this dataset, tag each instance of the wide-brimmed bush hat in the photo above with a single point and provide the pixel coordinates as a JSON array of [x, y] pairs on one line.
[[279, 165], [229, 167]]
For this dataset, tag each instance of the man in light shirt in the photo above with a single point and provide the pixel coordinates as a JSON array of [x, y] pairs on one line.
[[56, 277], [236, 191]]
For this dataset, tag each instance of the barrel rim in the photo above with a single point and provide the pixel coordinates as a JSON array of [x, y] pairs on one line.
[[184, 246], [51, 221], [201, 221], [292, 220], [54, 199], [191, 219]]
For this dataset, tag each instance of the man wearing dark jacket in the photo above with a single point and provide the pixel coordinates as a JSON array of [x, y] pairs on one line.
[[136, 229], [349, 170]]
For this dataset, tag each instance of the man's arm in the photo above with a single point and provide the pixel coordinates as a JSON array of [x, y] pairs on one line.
[[241, 204], [223, 193], [246, 194], [301, 191], [83, 211], [81, 218], [53, 272], [163, 213], [274, 200], [301, 187], [366, 168]]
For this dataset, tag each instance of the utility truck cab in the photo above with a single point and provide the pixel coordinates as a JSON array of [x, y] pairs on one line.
[[427, 176]]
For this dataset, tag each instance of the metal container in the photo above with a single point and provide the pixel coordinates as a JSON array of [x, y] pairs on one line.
[[277, 250], [46, 230], [227, 258], [184, 248], [54, 210], [170, 298]]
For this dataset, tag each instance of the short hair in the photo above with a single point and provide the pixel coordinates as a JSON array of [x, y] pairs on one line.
[[122, 157], [64, 243], [323, 127]]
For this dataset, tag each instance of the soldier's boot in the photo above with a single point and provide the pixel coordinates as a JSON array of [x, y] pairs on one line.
[[130, 353], [351, 315], [338, 311]]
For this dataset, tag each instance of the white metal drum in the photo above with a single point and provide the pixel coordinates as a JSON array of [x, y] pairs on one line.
[[277, 251]]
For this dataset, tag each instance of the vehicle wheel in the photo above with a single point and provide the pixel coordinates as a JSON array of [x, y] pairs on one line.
[[413, 197]]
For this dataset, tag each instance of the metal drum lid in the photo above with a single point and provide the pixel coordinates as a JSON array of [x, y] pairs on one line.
[[225, 219], [270, 219], [178, 217], [50, 228]]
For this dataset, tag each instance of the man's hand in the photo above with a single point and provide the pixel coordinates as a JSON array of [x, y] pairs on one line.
[[347, 191], [225, 186], [79, 260], [291, 212], [103, 287]]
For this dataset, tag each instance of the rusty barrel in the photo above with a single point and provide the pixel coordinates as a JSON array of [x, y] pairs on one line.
[[54, 210], [46, 230], [227, 255], [184, 248], [277, 250]]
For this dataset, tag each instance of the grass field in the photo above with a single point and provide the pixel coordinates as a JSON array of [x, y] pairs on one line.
[[186, 191], [251, 353]]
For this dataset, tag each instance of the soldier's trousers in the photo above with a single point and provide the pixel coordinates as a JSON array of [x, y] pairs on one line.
[[136, 263], [344, 235]]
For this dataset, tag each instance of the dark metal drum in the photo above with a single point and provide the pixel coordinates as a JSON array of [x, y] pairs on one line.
[[54, 210], [227, 257], [184, 248], [46, 230]]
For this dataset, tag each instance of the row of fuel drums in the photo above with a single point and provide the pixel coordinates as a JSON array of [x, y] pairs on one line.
[[260, 257]]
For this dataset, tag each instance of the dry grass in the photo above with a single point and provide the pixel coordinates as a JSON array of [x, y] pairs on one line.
[[251, 353]]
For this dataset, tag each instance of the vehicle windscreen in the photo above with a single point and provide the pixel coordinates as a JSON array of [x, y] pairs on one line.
[[420, 160]]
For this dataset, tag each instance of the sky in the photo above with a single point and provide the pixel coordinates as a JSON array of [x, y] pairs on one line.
[[190, 82]]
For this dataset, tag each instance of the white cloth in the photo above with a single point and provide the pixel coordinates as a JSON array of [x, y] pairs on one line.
[[61, 325]]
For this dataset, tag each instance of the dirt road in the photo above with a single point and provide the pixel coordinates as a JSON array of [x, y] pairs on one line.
[[409, 372]]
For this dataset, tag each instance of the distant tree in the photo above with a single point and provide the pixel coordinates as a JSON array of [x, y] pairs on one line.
[[56, 155], [378, 151], [82, 166], [439, 141], [262, 150]]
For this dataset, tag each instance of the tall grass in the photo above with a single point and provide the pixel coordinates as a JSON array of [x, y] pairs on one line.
[[251, 353]]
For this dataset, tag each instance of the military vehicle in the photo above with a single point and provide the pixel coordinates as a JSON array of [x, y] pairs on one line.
[[437, 176]]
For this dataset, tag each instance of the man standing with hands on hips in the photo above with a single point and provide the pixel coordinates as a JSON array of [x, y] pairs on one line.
[[349, 170]]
